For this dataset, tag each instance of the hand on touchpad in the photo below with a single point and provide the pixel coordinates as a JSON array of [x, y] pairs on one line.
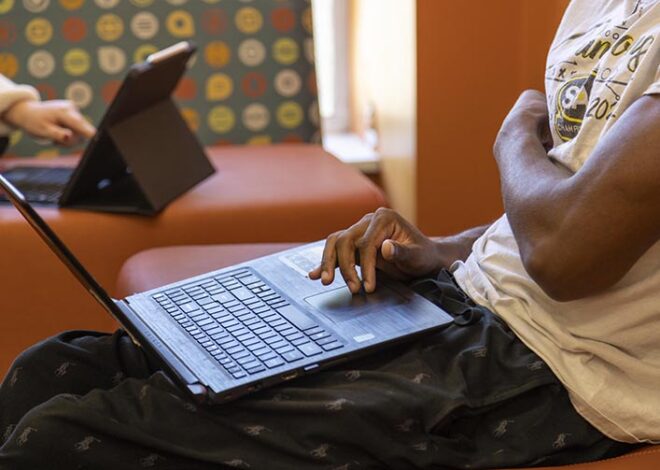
[[339, 304]]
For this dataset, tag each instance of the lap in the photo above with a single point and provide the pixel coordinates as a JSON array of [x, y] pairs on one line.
[[471, 395]]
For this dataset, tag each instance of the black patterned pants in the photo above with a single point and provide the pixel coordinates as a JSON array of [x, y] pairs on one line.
[[469, 396]]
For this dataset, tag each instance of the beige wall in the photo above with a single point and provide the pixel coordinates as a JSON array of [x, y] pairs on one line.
[[383, 63]]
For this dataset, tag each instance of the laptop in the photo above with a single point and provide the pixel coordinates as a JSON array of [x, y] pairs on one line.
[[239, 329], [143, 154]]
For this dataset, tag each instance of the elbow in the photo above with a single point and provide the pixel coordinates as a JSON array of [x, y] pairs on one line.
[[555, 274]]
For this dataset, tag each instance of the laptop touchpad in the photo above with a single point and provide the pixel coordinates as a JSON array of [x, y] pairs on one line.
[[340, 305]]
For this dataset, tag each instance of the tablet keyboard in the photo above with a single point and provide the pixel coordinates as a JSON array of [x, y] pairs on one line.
[[245, 324]]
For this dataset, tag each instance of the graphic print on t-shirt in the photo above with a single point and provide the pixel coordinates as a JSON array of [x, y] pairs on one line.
[[612, 55]]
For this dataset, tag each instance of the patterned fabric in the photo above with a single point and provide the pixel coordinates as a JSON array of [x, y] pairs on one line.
[[469, 396], [252, 81]]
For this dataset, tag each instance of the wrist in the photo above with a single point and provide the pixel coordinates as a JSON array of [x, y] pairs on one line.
[[15, 114], [447, 250]]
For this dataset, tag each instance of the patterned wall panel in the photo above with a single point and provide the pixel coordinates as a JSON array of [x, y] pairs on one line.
[[252, 80]]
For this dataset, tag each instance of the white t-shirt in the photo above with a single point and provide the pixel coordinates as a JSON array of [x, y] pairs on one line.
[[606, 348]]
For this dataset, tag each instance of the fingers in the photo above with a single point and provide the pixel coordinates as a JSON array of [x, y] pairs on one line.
[[57, 134], [369, 245], [339, 250], [345, 249], [326, 270], [72, 119]]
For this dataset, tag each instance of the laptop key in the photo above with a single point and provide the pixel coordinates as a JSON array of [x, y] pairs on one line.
[[249, 280], [190, 307], [204, 321], [249, 342], [247, 360], [299, 341], [236, 308], [283, 349], [223, 297], [274, 339], [292, 356], [255, 346], [241, 354], [268, 356], [298, 318], [205, 300], [239, 375], [256, 369], [269, 334], [332, 346], [320, 335], [242, 293], [275, 362], [212, 329], [327, 340], [261, 351], [247, 321], [221, 337], [279, 303], [293, 335], [310, 349], [233, 350], [313, 331]]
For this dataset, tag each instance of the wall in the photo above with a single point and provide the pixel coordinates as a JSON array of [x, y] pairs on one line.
[[383, 66], [474, 58]]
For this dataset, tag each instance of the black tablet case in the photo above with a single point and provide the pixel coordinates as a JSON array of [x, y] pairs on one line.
[[143, 155]]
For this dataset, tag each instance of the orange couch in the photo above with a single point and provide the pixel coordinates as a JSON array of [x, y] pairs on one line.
[[156, 267], [270, 193]]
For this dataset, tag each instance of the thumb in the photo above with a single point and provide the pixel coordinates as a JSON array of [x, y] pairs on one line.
[[394, 252]]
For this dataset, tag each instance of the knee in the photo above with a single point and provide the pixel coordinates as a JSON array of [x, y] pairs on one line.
[[41, 439], [50, 357]]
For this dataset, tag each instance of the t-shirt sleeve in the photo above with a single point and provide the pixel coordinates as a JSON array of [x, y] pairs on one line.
[[11, 93]]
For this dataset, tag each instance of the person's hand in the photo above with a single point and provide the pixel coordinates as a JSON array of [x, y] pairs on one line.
[[529, 114], [58, 120], [383, 240]]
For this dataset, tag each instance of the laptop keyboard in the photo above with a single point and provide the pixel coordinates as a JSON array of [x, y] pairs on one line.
[[244, 324], [40, 184]]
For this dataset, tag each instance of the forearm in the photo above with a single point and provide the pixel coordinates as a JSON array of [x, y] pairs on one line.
[[535, 190]]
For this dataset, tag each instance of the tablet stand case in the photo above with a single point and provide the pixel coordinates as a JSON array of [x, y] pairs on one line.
[[143, 155], [141, 164]]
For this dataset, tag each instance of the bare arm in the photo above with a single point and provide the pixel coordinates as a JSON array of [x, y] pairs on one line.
[[580, 233]]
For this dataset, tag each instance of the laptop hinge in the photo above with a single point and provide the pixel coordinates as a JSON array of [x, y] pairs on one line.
[[144, 337]]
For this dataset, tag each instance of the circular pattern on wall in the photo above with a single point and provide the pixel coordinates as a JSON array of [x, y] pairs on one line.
[[76, 62], [112, 59], [144, 25], [41, 64], [109, 27], [255, 117], [249, 20], [80, 93], [251, 80], [288, 82], [35, 6], [252, 52], [39, 31]]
